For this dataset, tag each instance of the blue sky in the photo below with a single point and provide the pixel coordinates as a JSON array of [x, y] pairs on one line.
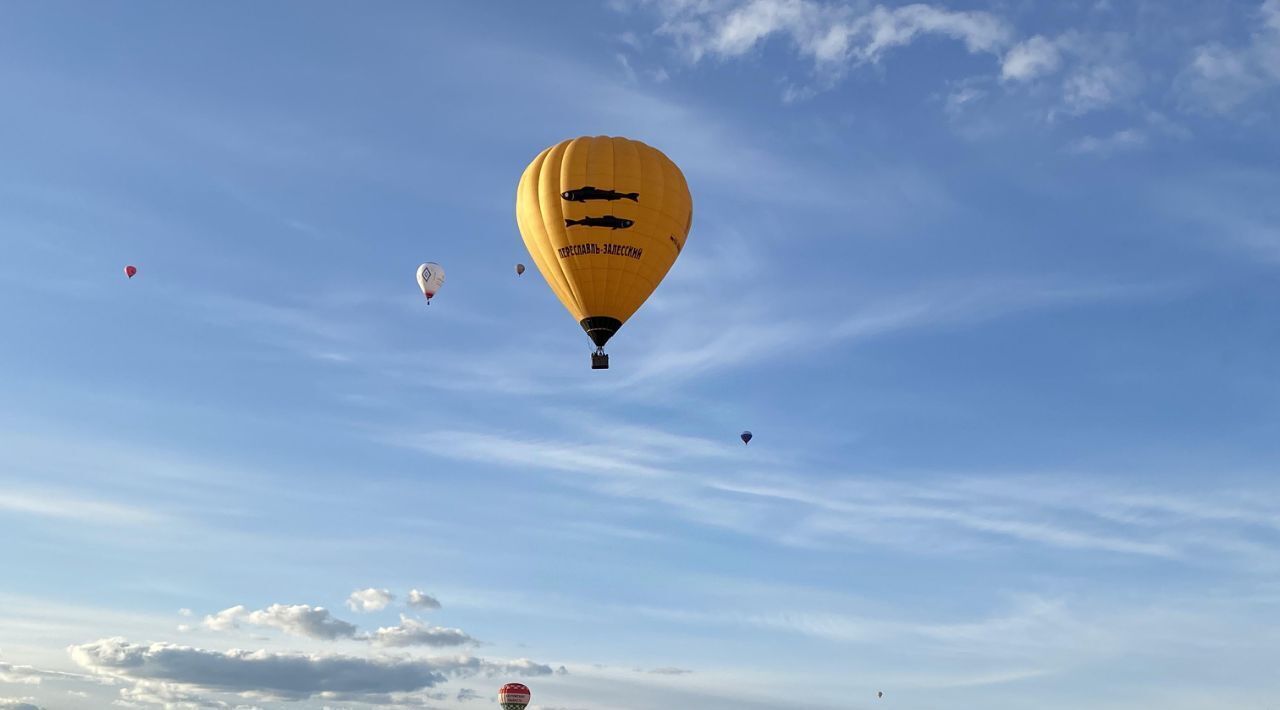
[[993, 284]]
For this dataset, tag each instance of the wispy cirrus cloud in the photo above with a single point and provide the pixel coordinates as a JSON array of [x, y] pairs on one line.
[[1095, 69], [20, 674], [1127, 139], [747, 335], [951, 512], [68, 506], [1090, 67], [1220, 78], [1089, 71], [1031, 58], [832, 35]]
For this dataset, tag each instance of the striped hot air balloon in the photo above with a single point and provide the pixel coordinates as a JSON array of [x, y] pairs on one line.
[[514, 696]]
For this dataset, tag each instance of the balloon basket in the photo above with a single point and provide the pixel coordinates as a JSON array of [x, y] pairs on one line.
[[599, 361]]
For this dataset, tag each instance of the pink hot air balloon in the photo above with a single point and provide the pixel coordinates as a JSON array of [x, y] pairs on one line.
[[130, 270], [514, 696]]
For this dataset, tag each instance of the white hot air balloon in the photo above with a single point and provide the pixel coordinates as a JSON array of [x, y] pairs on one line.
[[430, 279]]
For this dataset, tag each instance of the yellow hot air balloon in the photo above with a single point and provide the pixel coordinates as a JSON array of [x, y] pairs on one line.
[[604, 219]]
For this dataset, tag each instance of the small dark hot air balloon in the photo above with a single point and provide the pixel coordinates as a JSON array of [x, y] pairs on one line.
[[879, 693], [514, 696], [746, 437], [519, 269], [130, 270]]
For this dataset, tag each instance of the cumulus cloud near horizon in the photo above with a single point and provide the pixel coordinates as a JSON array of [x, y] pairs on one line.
[[165, 670], [412, 632], [419, 599], [368, 600], [669, 670], [297, 619]]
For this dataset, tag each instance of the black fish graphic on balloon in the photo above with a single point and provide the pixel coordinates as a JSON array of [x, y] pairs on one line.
[[606, 221], [588, 192]]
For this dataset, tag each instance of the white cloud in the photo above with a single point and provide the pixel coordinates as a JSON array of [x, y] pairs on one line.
[[419, 599], [1221, 79], [297, 619], [19, 704], [670, 671], [979, 31], [1096, 70], [411, 632], [747, 335], [627, 71], [303, 620], [1030, 59], [834, 36], [964, 95], [1126, 139], [168, 695], [948, 514], [21, 675], [631, 40], [67, 506], [1096, 86], [367, 600], [283, 675], [226, 619], [169, 670]]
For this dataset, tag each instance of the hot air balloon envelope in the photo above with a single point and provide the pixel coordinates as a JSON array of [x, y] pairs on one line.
[[514, 696], [603, 219], [130, 271], [519, 269], [746, 437], [430, 278]]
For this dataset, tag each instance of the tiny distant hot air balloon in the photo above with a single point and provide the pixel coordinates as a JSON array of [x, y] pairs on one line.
[[519, 269], [130, 270], [514, 696], [879, 694], [746, 437], [430, 279]]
